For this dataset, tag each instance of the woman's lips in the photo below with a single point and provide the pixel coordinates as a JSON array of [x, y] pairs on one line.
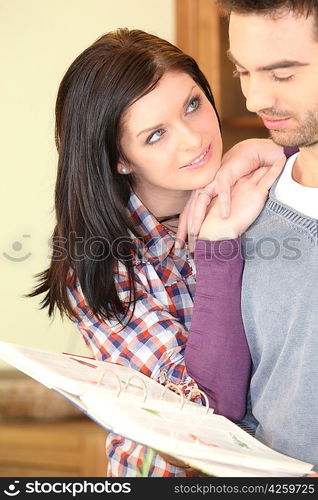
[[200, 160]]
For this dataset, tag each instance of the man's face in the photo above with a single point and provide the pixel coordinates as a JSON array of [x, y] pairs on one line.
[[277, 62]]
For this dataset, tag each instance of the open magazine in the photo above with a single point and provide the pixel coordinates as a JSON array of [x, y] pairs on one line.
[[132, 405]]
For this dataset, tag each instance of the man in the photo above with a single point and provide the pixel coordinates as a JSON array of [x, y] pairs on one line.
[[274, 46]]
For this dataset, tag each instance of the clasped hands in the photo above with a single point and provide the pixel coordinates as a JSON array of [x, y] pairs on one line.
[[226, 207]]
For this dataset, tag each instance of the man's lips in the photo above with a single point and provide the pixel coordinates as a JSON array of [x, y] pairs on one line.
[[199, 160], [274, 123]]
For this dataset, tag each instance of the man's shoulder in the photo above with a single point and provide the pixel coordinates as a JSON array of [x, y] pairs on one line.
[[261, 222]]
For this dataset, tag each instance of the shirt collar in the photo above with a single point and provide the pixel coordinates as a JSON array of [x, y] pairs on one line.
[[155, 241]]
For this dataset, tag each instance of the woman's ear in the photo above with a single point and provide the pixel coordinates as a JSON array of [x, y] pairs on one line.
[[123, 169]]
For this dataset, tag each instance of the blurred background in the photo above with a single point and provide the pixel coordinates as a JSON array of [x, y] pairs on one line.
[[39, 40]]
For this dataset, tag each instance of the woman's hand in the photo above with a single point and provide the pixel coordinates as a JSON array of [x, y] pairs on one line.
[[178, 463], [240, 160], [248, 197]]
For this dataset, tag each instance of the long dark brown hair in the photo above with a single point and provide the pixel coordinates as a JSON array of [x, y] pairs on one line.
[[90, 196]]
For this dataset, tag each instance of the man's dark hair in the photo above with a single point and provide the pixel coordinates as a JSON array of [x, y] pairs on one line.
[[273, 7]]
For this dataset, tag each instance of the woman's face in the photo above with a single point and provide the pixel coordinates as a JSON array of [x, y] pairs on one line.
[[171, 137]]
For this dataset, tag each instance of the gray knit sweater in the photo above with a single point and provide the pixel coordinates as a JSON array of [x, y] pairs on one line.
[[280, 315]]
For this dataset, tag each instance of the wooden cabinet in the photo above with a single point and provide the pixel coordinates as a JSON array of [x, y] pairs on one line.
[[74, 448], [202, 32]]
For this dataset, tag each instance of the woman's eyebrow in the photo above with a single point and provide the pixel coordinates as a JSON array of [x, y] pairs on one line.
[[155, 127], [160, 125], [284, 63]]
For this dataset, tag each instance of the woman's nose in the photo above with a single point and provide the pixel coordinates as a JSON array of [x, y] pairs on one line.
[[190, 138]]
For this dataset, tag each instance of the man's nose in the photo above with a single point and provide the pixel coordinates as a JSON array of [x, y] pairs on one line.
[[259, 94]]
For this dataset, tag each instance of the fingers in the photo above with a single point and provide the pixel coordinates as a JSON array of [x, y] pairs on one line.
[[257, 175], [272, 173], [182, 230], [173, 461], [200, 210], [225, 202], [184, 221], [191, 242], [191, 228], [209, 190], [223, 187], [193, 214]]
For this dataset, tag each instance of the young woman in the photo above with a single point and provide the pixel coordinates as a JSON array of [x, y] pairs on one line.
[[137, 131]]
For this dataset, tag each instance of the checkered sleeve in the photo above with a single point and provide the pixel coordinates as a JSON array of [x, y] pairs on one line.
[[152, 342]]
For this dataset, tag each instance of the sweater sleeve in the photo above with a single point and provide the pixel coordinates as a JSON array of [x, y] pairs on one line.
[[217, 354], [289, 151]]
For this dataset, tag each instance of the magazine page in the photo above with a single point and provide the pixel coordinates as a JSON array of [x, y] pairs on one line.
[[206, 441], [127, 402], [76, 374]]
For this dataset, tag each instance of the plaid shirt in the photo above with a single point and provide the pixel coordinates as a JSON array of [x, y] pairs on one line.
[[153, 341]]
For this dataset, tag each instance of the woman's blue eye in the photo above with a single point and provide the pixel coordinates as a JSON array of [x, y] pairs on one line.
[[155, 136], [194, 104]]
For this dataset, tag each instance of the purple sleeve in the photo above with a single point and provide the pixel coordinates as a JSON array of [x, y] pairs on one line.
[[217, 355]]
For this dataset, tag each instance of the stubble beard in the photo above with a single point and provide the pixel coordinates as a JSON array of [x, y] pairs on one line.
[[305, 135]]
